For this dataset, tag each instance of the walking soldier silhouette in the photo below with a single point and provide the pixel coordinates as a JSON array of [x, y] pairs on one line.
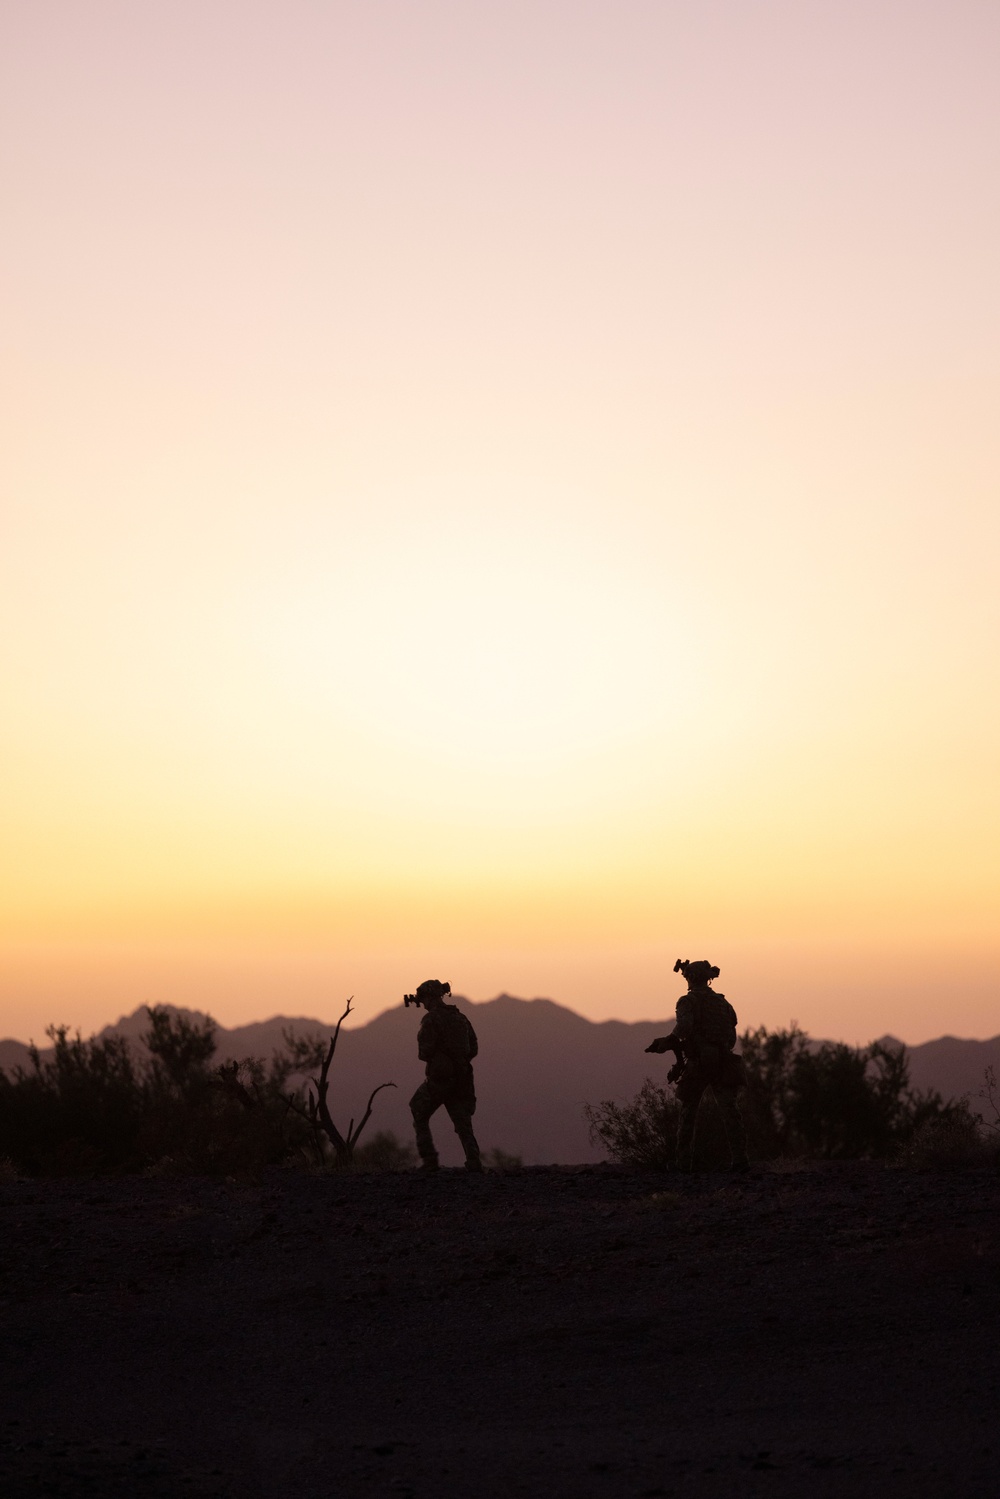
[[447, 1043]]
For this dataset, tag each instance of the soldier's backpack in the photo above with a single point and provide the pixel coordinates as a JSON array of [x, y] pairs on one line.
[[715, 1037], [455, 1034], [454, 1046]]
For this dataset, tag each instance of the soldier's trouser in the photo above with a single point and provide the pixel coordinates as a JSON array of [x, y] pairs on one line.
[[689, 1096], [460, 1106]]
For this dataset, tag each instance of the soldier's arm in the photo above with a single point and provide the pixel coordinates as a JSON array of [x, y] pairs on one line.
[[684, 1028], [473, 1041], [665, 1043], [426, 1039]]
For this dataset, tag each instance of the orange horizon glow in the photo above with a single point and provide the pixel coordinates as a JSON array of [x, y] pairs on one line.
[[509, 494]]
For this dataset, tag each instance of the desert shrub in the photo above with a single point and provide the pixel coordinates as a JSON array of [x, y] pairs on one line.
[[79, 1110], [181, 1051], [185, 1119], [639, 1133], [802, 1099], [989, 1094], [831, 1100], [230, 1120], [642, 1132], [384, 1152], [949, 1143], [959, 1136], [503, 1160], [94, 1107]]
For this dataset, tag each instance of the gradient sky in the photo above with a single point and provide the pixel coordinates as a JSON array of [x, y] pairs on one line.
[[505, 491]]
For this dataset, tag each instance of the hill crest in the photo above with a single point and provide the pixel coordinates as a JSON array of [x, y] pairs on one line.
[[539, 1063]]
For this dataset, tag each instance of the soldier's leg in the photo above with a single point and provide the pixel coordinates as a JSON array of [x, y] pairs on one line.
[[422, 1106], [689, 1091], [460, 1115], [733, 1120]]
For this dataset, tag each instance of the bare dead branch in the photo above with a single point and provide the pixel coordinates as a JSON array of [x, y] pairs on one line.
[[302, 1113], [319, 1115], [310, 1116], [989, 1094], [227, 1077], [354, 1135], [336, 1034]]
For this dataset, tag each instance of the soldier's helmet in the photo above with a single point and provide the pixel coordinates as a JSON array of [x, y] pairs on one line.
[[699, 972], [433, 989]]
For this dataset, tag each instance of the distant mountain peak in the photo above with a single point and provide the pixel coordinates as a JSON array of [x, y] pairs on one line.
[[539, 1063]]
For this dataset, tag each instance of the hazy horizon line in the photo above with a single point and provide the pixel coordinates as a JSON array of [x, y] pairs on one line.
[[464, 999]]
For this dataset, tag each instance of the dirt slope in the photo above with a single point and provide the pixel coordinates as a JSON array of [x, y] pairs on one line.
[[567, 1333]]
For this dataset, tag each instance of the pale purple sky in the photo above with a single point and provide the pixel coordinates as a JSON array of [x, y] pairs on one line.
[[506, 488]]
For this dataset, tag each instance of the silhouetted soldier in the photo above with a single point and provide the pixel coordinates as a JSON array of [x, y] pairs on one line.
[[703, 1041], [447, 1043]]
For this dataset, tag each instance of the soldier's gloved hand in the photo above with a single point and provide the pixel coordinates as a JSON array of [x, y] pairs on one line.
[[660, 1044]]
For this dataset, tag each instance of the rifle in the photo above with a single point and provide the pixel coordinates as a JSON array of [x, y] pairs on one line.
[[669, 1043]]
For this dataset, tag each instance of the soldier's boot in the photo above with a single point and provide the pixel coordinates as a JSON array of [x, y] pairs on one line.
[[428, 1155], [425, 1141], [685, 1134], [473, 1159], [736, 1133]]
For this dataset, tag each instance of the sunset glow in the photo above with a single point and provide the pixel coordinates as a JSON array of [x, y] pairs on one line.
[[505, 492]]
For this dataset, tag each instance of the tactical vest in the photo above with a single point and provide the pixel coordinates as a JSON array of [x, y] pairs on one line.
[[453, 1034], [714, 1019], [448, 1044]]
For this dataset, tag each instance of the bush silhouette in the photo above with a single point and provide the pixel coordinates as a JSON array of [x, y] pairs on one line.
[[832, 1101], [639, 1133], [94, 1107], [80, 1110], [384, 1152], [803, 1099], [503, 1160]]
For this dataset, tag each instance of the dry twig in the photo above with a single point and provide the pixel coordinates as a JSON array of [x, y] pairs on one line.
[[317, 1110]]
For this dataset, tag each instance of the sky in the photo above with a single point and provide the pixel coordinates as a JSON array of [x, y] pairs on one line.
[[502, 492]]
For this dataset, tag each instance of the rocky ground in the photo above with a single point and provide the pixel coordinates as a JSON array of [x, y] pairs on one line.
[[576, 1333]]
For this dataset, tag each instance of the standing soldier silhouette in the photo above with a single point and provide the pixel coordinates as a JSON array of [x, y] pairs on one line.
[[447, 1043], [703, 1040]]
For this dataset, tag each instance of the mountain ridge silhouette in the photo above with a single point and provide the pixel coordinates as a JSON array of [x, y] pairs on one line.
[[539, 1063]]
